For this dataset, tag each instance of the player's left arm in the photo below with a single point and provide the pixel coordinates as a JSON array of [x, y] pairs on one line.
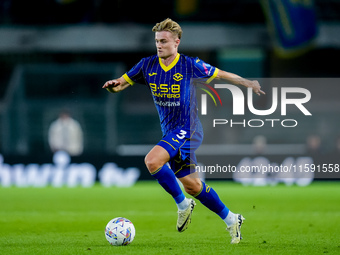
[[238, 80]]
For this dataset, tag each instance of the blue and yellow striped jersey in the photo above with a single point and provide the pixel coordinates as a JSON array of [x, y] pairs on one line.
[[173, 93]]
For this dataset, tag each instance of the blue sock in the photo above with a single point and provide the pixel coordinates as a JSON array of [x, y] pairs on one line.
[[167, 179], [209, 198]]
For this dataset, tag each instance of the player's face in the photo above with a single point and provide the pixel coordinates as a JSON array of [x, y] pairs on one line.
[[166, 44]]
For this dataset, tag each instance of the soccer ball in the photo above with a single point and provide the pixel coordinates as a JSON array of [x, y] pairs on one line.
[[120, 231]]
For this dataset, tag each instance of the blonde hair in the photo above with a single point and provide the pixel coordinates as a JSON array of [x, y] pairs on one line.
[[169, 25]]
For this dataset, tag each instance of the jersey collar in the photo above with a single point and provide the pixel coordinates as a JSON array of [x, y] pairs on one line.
[[173, 63]]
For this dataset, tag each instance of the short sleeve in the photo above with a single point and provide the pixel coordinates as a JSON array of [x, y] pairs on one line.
[[204, 70], [136, 74]]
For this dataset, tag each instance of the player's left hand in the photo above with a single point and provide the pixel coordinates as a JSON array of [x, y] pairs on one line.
[[255, 85]]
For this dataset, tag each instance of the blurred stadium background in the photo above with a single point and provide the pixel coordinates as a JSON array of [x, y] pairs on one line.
[[56, 54]]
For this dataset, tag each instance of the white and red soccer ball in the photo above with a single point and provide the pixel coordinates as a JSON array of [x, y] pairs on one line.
[[120, 231]]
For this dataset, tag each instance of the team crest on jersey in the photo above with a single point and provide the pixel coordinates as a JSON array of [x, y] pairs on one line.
[[178, 76]]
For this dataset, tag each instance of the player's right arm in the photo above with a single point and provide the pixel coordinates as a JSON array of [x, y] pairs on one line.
[[117, 85]]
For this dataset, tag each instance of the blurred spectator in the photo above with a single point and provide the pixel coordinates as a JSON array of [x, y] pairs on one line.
[[337, 146], [66, 134], [313, 144], [259, 144]]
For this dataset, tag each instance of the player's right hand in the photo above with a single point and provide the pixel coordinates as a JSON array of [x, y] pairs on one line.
[[111, 83]]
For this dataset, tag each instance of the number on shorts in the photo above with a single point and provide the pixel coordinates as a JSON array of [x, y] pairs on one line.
[[181, 134]]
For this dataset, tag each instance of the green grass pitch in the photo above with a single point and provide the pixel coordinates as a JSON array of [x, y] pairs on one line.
[[279, 220]]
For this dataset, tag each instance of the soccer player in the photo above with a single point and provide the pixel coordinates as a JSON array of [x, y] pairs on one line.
[[168, 75]]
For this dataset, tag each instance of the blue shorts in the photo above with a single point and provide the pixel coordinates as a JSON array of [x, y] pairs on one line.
[[181, 145]]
